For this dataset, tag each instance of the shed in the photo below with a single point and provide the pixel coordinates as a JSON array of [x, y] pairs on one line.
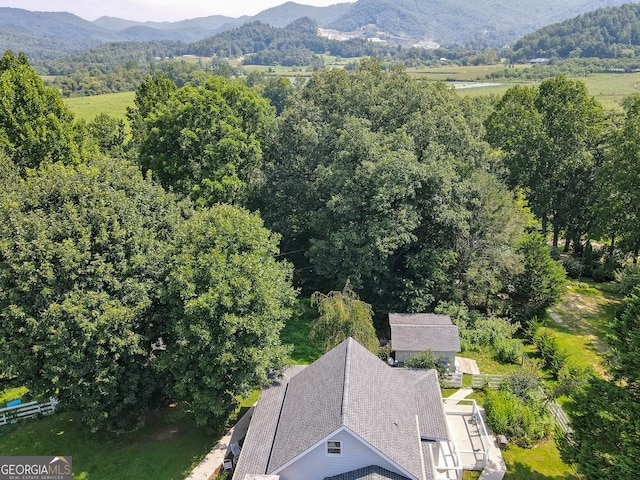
[[412, 333]]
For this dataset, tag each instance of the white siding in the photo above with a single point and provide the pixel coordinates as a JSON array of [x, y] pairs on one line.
[[316, 465]]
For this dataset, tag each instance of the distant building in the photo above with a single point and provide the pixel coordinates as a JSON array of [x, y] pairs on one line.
[[539, 61]]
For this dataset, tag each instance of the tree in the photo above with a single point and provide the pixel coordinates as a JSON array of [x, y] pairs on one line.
[[35, 125], [228, 300], [343, 315], [153, 90], [550, 138], [109, 134], [82, 262], [541, 283], [385, 181], [277, 90], [619, 207], [206, 142], [605, 443]]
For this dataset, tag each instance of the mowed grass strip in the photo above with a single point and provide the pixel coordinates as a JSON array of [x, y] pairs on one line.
[[585, 313]]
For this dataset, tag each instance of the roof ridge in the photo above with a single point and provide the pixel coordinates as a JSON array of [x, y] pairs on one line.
[[345, 383]]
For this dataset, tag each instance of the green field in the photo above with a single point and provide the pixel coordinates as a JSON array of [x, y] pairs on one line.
[[113, 104], [609, 89]]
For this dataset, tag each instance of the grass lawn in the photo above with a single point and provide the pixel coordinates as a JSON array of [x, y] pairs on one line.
[[113, 104], [296, 333], [586, 313], [165, 447], [540, 463]]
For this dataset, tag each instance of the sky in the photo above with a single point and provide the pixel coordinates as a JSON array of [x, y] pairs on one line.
[[156, 10]]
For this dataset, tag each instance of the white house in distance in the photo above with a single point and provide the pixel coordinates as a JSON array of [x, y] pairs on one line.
[[412, 333], [350, 416]]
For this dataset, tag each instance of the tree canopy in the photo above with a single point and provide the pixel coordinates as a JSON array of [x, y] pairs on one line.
[[82, 259], [228, 298], [386, 182], [550, 137], [35, 124], [204, 142]]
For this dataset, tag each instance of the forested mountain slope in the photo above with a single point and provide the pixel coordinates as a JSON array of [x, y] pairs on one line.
[[481, 22], [446, 22], [49, 35], [605, 33]]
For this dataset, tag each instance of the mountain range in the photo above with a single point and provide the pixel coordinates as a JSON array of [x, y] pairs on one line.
[[445, 22]]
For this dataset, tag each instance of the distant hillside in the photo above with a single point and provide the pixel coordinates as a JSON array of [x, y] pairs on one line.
[[47, 35], [446, 22], [43, 35], [474, 23], [611, 32]]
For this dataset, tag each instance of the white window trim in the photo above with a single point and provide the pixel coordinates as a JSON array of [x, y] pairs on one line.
[[337, 444]]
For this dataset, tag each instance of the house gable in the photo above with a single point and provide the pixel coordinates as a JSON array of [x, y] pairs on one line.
[[355, 454]]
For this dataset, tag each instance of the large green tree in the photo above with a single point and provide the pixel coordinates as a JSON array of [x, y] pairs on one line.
[[542, 281], [550, 137], [619, 203], [229, 297], [206, 142], [82, 261], [35, 125], [379, 179]]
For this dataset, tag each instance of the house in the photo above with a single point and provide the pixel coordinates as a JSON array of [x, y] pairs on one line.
[[350, 416], [412, 333]]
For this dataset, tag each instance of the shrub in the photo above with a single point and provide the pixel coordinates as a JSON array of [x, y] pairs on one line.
[[524, 423], [599, 275], [573, 266], [384, 352], [627, 279], [525, 384], [509, 350], [571, 377], [587, 260], [553, 356], [426, 360]]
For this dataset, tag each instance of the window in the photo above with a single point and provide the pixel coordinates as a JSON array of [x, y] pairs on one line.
[[334, 448]]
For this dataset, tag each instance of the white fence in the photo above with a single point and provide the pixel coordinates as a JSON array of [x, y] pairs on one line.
[[486, 381], [27, 410]]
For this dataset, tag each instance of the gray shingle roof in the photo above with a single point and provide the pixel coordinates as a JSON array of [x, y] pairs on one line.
[[418, 338], [419, 319], [347, 387], [372, 472], [417, 332]]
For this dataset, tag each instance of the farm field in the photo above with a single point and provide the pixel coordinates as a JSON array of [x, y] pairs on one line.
[[609, 89], [113, 104]]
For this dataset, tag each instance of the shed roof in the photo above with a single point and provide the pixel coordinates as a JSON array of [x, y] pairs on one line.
[[417, 332], [419, 319]]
